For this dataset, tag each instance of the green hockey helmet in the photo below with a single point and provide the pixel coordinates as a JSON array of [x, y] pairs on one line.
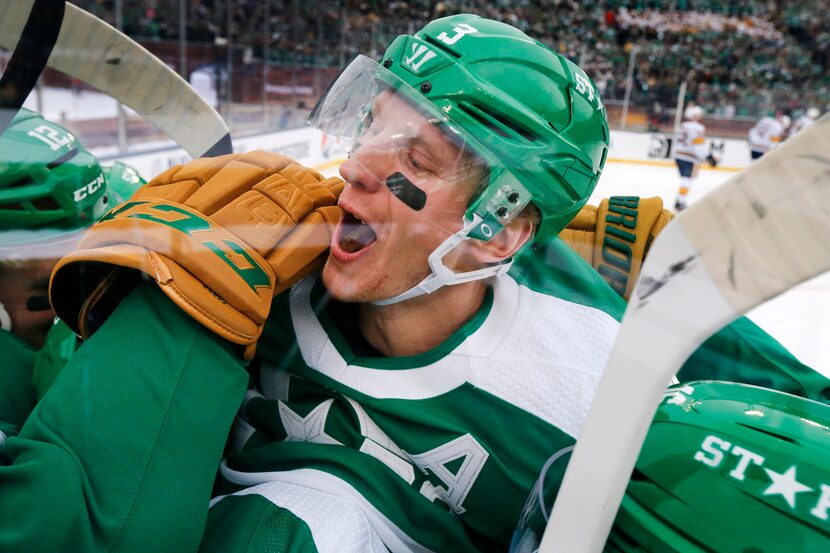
[[122, 181], [725, 468], [533, 117], [730, 468], [51, 188], [47, 178]]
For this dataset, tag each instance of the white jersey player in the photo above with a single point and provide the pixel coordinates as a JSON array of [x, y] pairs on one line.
[[689, 151], [767, 134], [804, 121]]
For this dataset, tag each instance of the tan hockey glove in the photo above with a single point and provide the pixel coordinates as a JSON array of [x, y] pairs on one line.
[[220, 236], [614, 237]]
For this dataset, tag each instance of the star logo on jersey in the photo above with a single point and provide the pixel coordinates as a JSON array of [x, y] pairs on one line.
[[310, 428], [785, 484]]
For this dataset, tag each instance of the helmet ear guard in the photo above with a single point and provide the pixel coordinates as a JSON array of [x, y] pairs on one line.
[[496, 207]]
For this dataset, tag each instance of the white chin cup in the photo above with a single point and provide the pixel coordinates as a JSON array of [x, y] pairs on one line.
[[441, 275], [5, 319]]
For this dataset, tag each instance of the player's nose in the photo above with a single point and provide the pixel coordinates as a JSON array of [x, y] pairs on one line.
[[367, 168]]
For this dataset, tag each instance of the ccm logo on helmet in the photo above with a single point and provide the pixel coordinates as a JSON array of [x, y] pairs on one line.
[[713, 451], [91, 188]]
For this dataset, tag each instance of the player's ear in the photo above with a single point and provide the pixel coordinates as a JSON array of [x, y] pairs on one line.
[[506, 243]]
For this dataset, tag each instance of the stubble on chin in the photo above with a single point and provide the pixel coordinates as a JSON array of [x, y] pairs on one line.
[[340, 286]]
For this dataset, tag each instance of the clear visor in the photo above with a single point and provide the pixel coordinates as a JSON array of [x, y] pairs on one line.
[[394, 137]]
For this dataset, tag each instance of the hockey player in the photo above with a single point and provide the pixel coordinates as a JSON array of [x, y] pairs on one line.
[[808, 118], [689, 151], [396, 399], [767, 134], [51, 190]]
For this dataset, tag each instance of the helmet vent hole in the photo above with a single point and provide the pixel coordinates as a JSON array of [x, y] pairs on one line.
[[481, 118], [506, 123], [63, 159], [769, 433], [47, 203], [497, 123], [20, 183], [17, 206], [441, 46]]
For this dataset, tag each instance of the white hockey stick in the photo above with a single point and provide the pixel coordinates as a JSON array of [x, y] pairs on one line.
[[89, 49], [760, 233]]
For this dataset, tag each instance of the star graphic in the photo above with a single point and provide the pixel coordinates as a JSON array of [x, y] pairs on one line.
[[309, 428], [785, 484]]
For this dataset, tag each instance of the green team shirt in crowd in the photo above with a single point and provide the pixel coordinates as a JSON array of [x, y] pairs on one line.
[[333, 449]]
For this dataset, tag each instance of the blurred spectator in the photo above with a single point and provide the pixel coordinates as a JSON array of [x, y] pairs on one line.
[[739, 57]]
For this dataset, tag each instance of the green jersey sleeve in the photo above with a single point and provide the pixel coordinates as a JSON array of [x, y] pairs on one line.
[[743, 352], [121, 453], [16, 395]]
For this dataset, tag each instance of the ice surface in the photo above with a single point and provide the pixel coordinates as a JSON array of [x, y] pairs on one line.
[[799, 318]]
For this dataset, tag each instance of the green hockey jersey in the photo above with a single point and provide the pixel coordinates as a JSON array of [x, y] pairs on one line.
[[438, 450], [333, 448], [16, 396]]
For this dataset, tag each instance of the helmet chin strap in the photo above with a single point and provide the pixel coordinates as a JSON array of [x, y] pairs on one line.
[[441, 275], [5, 319]]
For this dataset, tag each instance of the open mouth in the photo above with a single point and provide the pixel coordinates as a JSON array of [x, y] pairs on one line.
[[354, 234]]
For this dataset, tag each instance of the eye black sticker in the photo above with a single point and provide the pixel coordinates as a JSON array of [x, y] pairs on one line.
[[403, 189]]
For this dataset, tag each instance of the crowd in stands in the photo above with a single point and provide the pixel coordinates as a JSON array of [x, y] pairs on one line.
[[738, 57]]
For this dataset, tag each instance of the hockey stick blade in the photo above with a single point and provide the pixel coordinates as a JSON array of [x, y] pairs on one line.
[[760, 233], [91, 50]]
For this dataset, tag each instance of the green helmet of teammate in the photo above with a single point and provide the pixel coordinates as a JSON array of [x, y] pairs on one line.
[[122, 182], [725, 467], [728, 467], [52, 188], [47, 178]]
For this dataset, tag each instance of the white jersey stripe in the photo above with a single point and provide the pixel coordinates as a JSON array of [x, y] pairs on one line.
[[392, 537], [558, 345]]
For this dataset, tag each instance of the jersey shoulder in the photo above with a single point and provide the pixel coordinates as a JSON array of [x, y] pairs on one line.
[[693, 127]]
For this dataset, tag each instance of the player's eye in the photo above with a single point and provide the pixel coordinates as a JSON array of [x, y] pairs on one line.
[[418, 162]]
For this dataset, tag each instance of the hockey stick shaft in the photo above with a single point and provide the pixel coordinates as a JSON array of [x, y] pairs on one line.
[[89, 49], [762, 232], [31, 52]]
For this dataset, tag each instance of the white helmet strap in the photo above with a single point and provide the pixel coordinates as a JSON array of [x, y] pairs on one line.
[[441, 275]]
